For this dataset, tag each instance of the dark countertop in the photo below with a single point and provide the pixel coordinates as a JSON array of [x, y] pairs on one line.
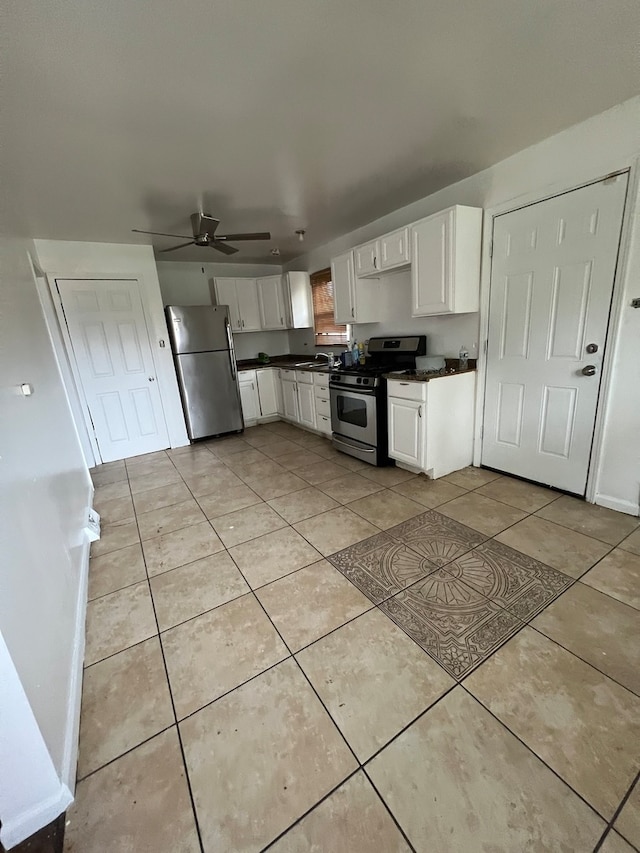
[[288, 361], [452, 368]]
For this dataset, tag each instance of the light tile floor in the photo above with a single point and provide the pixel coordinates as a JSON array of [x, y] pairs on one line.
[[288, 649]]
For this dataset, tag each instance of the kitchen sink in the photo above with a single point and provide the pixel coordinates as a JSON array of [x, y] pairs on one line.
[[309, 365]]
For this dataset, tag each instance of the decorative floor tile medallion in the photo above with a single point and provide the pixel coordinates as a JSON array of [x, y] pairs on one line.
[[381, 566], [436, 537]]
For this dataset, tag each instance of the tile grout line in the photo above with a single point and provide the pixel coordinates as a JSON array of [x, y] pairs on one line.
[[173, 707], [610, 824], [532, 752]]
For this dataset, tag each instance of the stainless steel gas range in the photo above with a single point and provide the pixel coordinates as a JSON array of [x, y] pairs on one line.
[[359, 397]]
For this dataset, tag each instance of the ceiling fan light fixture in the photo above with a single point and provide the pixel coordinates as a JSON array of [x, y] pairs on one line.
[[300, 233]]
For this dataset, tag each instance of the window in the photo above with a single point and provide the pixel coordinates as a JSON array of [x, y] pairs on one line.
[[327, 333]]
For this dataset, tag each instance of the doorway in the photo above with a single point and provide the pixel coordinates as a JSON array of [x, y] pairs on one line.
[[113, 361], [552, 275]]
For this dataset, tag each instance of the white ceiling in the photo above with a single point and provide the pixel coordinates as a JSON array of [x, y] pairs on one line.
[[284, 114]]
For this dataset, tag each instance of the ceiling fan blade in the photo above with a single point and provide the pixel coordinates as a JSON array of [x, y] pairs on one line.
[[160, 234], [180, 246], [223, 247], [247, 235]]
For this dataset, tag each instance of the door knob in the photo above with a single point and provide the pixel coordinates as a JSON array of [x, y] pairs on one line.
[[589, 370], [591, 348]]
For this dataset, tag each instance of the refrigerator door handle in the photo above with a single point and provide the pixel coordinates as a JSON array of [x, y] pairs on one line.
[[232, 354]]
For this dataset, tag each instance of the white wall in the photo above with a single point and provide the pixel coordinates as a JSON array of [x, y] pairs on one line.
[[605, 143], [44, 494], [74, 259]]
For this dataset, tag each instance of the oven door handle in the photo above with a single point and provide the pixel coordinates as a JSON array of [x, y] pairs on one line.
[[345, 389], [353, 447]]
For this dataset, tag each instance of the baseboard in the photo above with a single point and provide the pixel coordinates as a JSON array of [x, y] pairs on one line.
[[16, 830], [627, 507], [70, 755]]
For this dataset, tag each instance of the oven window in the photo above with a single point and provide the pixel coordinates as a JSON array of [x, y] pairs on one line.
[[352, 410]]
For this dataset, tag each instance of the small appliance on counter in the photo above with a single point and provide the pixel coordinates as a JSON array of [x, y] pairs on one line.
[[205, 362], [359, 397]]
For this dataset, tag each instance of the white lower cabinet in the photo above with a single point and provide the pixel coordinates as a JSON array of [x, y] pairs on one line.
[[260, 394], [249, 396], [306, 406], [406, 432], [322, 403], [290, 399], [267, 381], [431, 423]]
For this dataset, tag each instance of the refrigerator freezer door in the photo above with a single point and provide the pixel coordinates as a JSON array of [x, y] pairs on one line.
[[210, 394], [198, 328]]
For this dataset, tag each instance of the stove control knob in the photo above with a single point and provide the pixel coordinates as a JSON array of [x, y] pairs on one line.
[[359, 380], [366, 381]]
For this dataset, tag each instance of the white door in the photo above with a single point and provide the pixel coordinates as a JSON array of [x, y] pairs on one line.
[[342, 277], [271, 302], [112, 352], [267, 394], [551, 283], [306, 405], [406, 434], [290, 400], [226, 294], [249, 401], [432, 265], [248, 304]]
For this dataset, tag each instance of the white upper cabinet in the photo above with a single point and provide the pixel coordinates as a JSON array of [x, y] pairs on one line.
[[241, 295], [297, 300], [445, 262], [227, 294], [342, 276], [354, 300], [271, 302], [248, 304], [394, 249], [366, 258]]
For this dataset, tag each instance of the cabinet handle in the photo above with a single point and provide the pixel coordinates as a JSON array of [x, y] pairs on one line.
[[404, 383], [352, 312], [419, 411], [375, 263]]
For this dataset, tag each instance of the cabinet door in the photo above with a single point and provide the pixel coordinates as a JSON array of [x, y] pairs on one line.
[[432, 265], [394, 249], [271, 302], [290, 400], [249, 400], [342, 276], [226, 294], [366, 258], [267, 395], [406, 433], [248, 304], [306, 406], [298, 300]]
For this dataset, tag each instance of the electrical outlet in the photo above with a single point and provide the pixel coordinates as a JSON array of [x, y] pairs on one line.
[[93, 525]]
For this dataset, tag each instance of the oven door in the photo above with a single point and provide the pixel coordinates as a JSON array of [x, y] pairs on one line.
[[353, 414]]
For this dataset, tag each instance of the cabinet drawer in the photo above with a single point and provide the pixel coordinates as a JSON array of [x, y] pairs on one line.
[[324, 424], [322, 390], [321, 379], [323, 406], [407, 390], [288, 374], [246, 375], [304, 376]]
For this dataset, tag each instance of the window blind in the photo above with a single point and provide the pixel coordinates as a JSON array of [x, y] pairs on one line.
[[326, 331]]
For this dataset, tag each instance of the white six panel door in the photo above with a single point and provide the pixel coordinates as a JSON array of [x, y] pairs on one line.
[[112, 351], [551, 284]]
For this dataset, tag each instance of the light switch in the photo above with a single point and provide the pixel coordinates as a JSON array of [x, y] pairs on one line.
[[26, 389]]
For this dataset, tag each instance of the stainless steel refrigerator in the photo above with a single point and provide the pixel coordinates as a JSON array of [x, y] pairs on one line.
[[205, 361]]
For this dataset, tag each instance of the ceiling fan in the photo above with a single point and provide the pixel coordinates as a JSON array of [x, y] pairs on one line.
[[204, 234]]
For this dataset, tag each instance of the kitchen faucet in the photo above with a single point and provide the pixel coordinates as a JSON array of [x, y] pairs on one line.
[[328, 356]]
